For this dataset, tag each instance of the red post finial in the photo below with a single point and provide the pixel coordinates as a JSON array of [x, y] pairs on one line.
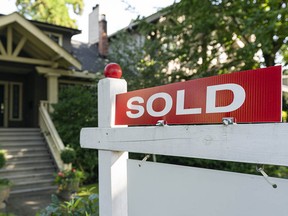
[[113, 70]]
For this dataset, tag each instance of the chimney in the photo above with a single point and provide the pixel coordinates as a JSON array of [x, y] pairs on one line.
[[93, 34], [103, 37]]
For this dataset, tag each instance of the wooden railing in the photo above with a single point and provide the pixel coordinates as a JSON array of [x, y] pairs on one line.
[[50, 133]]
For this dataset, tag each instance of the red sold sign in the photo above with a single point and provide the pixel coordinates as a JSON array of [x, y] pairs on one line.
[[248, 96]]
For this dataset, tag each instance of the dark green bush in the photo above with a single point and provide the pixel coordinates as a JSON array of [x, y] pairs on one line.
[[77, 206], [68, 155], [76, 109], [2, 159]]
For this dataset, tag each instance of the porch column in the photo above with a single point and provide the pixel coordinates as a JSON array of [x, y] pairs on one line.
[[52, 88]]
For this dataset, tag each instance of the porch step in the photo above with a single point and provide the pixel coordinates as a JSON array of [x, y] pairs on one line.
[[30, 191], [30, 166], [28, 157], [23, 143], [17, 130], [32, 177], [33, 184], [26, 149], [11, 138], [32, 163]]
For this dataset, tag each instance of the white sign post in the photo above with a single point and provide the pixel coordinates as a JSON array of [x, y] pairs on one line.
[[112, 164], [251, 143]]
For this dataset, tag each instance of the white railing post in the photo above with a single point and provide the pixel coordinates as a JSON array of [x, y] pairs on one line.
[[112, 165]]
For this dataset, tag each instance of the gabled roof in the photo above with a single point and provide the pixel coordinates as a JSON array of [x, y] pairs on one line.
[[89, 56], [24, 37]]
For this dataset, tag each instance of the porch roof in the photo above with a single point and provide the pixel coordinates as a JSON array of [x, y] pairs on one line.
[[21, 41]]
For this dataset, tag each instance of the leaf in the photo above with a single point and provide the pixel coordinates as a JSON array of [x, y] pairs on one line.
[[93, 197]]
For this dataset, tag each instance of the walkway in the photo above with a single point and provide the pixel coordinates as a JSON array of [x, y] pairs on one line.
[[28, 204]]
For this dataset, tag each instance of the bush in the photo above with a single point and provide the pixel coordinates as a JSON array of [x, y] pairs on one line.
[[77, 108], [65, 179], [77, 206], [68, 155], [2, 159]]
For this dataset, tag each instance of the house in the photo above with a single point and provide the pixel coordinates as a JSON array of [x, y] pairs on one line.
[[36, 60]]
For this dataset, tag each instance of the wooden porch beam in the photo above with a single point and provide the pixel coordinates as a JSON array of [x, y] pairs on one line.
[[19, 47], [26, 60], [2, 49], [9, 40], [69, 73]]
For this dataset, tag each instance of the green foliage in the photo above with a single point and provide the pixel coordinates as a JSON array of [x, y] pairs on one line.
[[69, 178], [51, 11], [5, 182], [240, 31], [284, 116], [68, 155], [187, 43], [139, 69], [77, 108], [2, 159], [78, 206]]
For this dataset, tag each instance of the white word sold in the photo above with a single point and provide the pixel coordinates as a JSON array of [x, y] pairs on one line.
[[137, 109]]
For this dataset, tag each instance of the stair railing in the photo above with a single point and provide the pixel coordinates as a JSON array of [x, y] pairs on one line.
[[50, 133]]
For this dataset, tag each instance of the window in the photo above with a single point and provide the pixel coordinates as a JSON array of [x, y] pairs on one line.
[[15, 101], [58, 38]]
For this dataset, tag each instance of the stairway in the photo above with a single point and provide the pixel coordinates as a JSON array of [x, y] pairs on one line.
[[30, 165]]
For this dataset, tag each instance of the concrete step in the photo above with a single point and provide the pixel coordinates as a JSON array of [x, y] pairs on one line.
[[16, 179], [15, 130], [27, 157], [33, 184], [7, 173], [28, 163], [26, 151], [19, 133], [32, 191], [21, 143], [23, 138]]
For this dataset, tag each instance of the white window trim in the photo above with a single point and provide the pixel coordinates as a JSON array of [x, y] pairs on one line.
[[60, 36], [6, 95]]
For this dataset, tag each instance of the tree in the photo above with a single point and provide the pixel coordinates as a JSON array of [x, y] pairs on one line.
[[51, 11], [136, 60], [220, 36], [202, 38]]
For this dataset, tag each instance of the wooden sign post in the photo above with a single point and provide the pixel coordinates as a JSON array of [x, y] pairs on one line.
[[262, 143], [112, 164]]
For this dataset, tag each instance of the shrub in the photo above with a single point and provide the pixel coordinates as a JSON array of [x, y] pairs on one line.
[[2, 159], [77, 108], [67, 178], [77, 206], [68, 155], [3, 181]]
